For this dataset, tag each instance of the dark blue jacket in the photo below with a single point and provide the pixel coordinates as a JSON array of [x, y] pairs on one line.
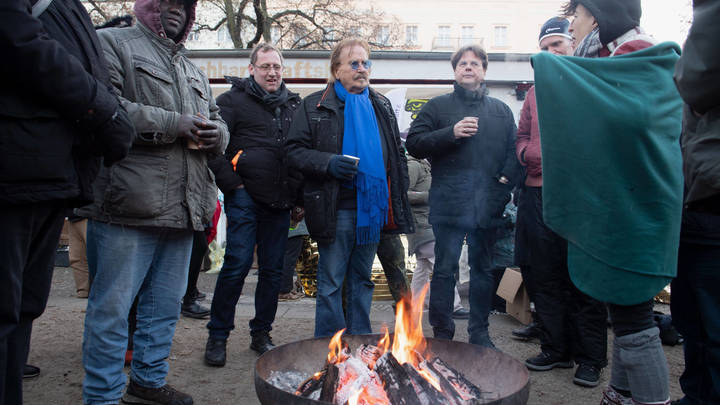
[[465, 189]]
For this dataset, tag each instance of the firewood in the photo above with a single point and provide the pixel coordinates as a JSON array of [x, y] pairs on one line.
[[396, 381], [368, 354], [468, 392], [312, 384], [330, 384], [425, 389]]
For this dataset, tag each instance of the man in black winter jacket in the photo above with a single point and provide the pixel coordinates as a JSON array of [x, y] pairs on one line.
[[349, 201], [470, 139], [259, 194], [57, 116]]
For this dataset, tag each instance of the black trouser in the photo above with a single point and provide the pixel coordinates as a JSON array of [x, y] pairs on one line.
[[199, 249], [573, 324], [292, 251], [391, 253], [629, 319], [28, 242], [523, 225]]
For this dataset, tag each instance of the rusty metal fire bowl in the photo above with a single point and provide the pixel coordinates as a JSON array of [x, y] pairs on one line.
[[491, 370]]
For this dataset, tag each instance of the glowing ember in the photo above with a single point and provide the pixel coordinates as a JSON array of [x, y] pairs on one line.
[[431, 379]]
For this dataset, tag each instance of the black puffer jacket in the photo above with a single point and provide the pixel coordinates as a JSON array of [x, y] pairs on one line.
[[316, 135], [465, 190], [260, 132], [697, 75], [55, 75]]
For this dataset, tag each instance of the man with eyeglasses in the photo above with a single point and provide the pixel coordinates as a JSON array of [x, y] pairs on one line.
[[147, 206], [345, 140], [259, 193], [470, 139]]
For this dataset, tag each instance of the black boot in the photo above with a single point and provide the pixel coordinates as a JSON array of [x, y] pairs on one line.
[[192, 309], [261, 342], [529, 332], [215, 352]]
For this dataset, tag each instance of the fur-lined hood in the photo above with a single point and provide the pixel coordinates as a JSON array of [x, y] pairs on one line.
[[148, 13]]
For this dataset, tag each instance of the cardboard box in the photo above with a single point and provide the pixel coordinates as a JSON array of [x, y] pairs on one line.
[[517, 301]]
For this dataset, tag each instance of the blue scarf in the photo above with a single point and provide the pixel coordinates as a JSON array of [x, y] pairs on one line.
[[361, 138]]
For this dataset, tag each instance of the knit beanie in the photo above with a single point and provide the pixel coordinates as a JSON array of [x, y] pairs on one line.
[[614, 17], [555, 26]]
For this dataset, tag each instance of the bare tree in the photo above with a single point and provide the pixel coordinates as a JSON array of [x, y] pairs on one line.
[[102, 11], [291, 24], [302, 24]]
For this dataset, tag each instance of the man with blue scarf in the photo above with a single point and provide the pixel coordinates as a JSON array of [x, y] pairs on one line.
[[470, 139], [345, 140]]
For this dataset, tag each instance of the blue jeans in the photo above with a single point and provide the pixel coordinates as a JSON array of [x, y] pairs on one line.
[[124, 262], [448, 245], [340, 259], [249, 224], [696, 315]]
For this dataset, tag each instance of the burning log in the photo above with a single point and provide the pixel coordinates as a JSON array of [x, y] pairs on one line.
[[397, 383], [368, 354], [312, 384], [330, 383], [424, 388], [453, 381]]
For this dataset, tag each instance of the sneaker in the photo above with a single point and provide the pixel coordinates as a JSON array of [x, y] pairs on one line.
[[612, 397], [544, 361], [215, 352], [30, 371], [529, 332], [461, 313], [261, 342], [165, 395], [195, 310], [587, 375]]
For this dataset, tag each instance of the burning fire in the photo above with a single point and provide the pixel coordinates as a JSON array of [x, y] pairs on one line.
[[336, 354]]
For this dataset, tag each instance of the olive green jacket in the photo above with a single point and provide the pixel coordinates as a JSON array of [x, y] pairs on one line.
[[161, 183]]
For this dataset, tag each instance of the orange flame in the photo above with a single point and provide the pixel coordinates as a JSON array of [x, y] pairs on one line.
[[335, 347], [408, 329], [384, 343]]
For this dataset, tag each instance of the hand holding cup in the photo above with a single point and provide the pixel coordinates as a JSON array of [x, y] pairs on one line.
[[466, 127]]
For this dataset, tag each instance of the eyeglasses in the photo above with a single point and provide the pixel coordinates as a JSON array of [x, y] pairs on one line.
[[355, 65], [267, 68]]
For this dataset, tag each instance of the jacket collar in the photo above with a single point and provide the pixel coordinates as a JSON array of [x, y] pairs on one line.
[[331, 101], [241, 84], [469, 95], [163, 42]]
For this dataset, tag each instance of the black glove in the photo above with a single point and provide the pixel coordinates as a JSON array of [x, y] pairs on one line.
[[114, 138], [342, 167]]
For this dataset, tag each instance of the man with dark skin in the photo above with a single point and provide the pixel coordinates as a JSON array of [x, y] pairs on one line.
[[141, 225]]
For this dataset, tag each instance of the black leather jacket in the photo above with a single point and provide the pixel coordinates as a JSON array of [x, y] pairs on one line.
[[316, 135]]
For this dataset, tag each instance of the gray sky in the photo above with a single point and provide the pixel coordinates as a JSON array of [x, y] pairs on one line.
[[667, 20]]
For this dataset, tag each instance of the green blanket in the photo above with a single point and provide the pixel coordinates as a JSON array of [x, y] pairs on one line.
[[612, 170]]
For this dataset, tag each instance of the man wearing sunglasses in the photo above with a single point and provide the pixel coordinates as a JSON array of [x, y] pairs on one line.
[[345, 140], [259, 193], [470, 139]]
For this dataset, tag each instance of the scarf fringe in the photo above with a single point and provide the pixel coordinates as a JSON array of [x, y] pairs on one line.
[[372, 201]]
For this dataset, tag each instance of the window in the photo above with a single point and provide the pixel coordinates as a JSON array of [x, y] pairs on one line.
[[194, 34], [383, 35], [274, 34], [444, 35], [411, 35], [501, 36], [223, 35], [466, 35]]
